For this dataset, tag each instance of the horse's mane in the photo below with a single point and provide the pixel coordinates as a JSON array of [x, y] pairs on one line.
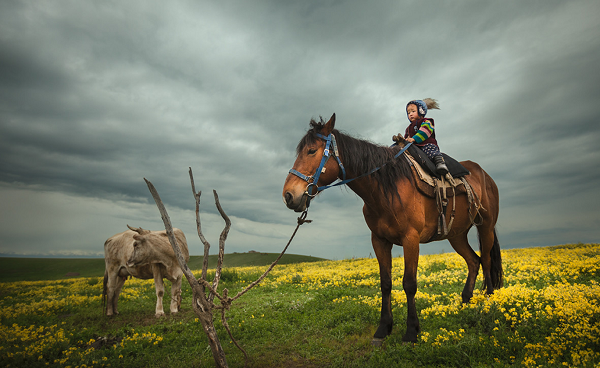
[[361, 156]]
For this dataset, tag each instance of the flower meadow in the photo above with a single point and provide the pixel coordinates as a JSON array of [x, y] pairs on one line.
[[323, 314]]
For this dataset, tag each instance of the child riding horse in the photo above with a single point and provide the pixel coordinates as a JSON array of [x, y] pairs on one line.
[[396, 212]]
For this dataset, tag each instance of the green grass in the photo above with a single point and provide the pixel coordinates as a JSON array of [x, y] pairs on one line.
[[34, 269], [322, 314]]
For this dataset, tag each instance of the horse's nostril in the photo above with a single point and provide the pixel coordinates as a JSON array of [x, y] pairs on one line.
[[288, 198]]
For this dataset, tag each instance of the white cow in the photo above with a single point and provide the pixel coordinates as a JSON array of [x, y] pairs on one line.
[[143, 254]]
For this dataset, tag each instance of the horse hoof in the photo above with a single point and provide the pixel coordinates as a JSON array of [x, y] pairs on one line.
[[377, 342], [410, 339]]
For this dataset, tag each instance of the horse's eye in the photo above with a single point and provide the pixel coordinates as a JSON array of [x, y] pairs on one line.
[[312, 151]]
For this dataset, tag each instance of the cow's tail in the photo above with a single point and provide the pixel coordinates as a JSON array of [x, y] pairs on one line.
[[104, 291]]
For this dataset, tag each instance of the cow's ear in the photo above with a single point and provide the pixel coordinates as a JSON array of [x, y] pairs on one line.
[[137, 237]]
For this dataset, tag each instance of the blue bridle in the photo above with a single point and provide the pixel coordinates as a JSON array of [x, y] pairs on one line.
[[314, 179]]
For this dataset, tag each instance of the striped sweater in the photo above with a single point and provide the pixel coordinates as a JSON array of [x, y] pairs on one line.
[[422, 131]]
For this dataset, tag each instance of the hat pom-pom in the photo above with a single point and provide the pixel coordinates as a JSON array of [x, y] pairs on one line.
[[431, 103]]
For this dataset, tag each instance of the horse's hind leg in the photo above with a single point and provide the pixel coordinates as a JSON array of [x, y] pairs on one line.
[[491, 260], [461, 245]]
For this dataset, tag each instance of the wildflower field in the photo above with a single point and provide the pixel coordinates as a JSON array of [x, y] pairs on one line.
[[323, 314]]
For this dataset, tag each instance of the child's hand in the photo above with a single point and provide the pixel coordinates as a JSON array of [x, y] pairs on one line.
[[410, 140]]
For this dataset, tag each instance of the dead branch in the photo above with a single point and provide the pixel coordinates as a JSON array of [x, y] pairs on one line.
[[222, 239], [203, 306], [199, 227]]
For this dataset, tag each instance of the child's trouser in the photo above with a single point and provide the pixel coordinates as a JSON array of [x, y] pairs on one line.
[[431, 150]]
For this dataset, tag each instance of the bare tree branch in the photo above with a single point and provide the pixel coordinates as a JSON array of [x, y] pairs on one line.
[[201, 305], [224, 322], [222, 240], [199, 227]]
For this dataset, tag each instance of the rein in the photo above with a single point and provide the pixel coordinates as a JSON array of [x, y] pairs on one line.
[[313, 179]]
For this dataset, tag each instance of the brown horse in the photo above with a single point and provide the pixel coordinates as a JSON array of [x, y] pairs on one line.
[[396, 212]]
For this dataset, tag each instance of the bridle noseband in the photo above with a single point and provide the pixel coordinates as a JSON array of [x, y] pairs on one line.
[[314, 179]]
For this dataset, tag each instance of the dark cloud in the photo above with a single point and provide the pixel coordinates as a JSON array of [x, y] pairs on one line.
[[96, 97]]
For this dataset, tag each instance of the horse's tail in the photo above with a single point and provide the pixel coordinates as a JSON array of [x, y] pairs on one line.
[[104, 291], [496, 272]]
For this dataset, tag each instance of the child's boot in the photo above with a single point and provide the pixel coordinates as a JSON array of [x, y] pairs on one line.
[[440, 165]]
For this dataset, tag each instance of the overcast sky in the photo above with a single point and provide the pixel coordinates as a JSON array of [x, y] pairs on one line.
[[97, 95]]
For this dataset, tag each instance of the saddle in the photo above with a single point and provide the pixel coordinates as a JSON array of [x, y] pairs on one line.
[[443, 187], [456, 169]]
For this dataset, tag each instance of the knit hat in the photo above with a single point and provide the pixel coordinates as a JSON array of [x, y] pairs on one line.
[[421, 107]]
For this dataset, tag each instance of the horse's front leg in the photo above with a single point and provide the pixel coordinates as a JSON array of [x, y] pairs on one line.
[[383, 251], [409, 283]]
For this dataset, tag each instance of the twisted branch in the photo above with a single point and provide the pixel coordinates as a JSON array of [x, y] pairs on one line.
[[202, 304]]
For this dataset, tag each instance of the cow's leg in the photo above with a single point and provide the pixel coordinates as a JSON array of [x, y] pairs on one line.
[[160, 290], [383, 251], [176, 294], [114, 286], [111, 285], [122, 276]]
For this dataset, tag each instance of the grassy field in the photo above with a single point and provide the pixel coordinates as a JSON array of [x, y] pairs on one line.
[[34, 269], [323, 314]]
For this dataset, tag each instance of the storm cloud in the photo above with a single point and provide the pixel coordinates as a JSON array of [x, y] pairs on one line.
[[96, 96]]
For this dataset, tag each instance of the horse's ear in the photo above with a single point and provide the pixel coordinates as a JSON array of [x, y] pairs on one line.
[[328, 128]]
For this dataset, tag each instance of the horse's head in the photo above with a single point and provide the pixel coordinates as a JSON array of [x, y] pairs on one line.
[[312, 168]]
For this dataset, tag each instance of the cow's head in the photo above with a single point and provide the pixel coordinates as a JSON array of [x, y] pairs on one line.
[[142, 251]]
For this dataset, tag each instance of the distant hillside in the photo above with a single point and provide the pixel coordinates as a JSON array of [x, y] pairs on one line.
[[33, 269], [250, 259]]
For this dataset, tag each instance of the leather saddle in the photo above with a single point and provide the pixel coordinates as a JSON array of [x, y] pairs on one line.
[[431, 184]]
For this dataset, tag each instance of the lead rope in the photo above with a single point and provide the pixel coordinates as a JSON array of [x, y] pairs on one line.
[[301, 220], [226, 300]]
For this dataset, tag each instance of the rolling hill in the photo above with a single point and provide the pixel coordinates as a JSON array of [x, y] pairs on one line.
[[33, 269]]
